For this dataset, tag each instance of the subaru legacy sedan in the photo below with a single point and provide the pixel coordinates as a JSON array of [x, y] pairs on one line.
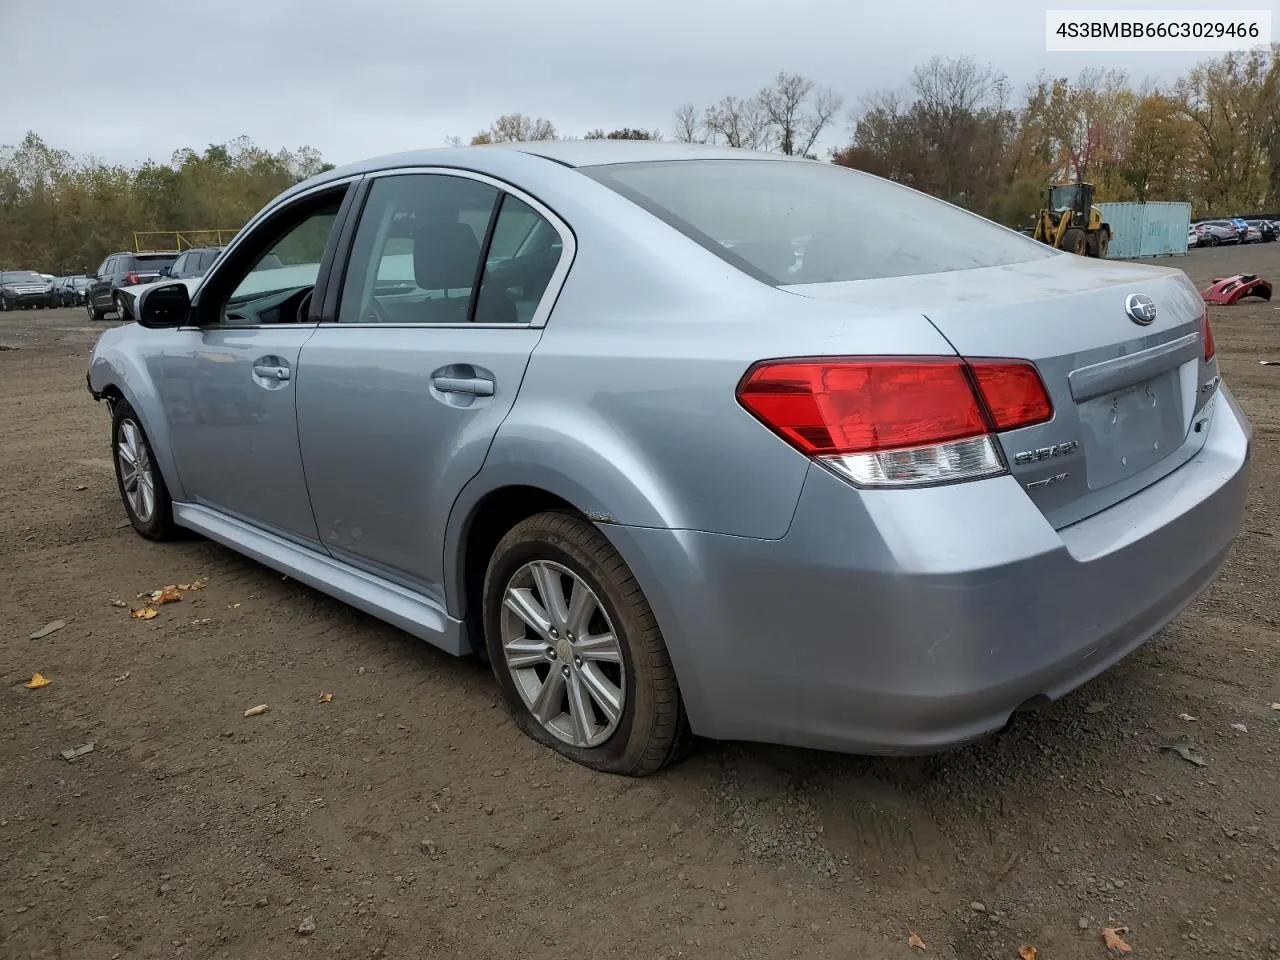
[[681, 447]]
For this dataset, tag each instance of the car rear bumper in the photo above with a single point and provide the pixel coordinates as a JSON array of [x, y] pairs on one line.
[[912, 621]]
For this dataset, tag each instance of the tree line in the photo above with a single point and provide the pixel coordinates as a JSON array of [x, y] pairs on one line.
[[955, 129]]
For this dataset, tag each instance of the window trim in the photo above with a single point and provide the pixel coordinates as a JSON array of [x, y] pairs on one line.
[[332, 251], [568, 253]]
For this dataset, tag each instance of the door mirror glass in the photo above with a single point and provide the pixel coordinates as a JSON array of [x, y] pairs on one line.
[[165, 306]]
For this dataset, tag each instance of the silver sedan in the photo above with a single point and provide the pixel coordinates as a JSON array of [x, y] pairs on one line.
[[682, 447]]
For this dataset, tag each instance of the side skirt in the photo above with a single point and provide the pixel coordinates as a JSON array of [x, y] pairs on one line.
[[398, 606]]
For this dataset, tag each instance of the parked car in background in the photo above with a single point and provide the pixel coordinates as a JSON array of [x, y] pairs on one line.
[[193, 263], [581, 405], [122, 270], [1192, 237], [1212, 233], [73, 291], [1265, 229], [1241, 228], [23, 289]]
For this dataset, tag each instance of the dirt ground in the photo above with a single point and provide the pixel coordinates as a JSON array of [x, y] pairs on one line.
[[408, 818]]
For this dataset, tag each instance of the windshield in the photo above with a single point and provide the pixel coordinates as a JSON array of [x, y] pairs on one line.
[[1063, 198], [788, 222], [21, 276]]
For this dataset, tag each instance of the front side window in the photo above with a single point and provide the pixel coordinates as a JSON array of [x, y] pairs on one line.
[[283, 256], [791, 222]]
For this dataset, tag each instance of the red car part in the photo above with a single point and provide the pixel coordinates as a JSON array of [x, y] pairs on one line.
[[1230, 290]]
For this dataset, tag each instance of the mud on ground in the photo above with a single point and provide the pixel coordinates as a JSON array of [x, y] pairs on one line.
[[408, 818]]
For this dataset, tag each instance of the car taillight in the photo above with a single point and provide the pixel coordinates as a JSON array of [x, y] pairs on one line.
[[132, 277], [901, 421], [1206, 334]]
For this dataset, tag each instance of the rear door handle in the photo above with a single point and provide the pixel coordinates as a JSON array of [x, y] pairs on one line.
[[271, 373], [476, 386]]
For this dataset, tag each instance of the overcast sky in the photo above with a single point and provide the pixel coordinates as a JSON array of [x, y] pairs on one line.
[[357, 78]]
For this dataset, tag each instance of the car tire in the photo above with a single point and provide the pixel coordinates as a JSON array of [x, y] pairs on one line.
[[142, 488], [92, 312], [119, 306], [4, 305], [618, 662]]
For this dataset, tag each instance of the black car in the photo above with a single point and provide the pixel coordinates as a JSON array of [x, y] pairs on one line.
[[194, 262], [71, 292], [23, 288], [123, 270], [1266, 228]]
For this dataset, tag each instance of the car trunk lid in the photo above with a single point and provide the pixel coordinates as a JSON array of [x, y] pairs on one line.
[[1130, 398]]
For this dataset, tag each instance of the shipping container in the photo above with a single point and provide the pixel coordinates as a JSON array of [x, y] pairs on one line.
[[1147, 229]]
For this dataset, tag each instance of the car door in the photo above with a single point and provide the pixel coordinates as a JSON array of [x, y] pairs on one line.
[[100, 284], [227, 383], [402, 394]]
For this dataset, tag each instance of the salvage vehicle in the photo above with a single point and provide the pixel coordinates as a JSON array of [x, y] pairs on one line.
[[20, 289], [582, 408], [105, 293]]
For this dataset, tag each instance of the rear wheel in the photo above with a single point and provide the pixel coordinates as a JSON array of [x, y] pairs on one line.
[[576, 649], [1102, 244], [142, 488], [1075, 241], [92, 312]]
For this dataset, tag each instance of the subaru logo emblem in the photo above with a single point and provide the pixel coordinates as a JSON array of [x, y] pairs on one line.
[[1140, 308]]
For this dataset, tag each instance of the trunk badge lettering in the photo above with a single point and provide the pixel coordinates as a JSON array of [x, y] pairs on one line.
[[1047, 481], [1046, 453]]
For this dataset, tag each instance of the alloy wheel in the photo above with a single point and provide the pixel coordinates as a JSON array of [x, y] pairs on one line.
[[563, 653], [136, 478]]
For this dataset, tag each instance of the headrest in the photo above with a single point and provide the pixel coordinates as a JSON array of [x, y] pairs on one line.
[[445, 255]]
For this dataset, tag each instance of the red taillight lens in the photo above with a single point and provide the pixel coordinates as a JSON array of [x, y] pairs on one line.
[[1013, 392], [897, 421], [131, 277], [1206, 333]]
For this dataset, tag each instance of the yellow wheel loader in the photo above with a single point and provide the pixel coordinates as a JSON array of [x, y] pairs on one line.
[[1071, 221]]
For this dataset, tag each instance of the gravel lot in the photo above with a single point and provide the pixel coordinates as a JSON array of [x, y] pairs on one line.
[[407, 817]]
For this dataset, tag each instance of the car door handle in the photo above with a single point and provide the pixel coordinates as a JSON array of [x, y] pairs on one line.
[[476, 386], [270, 373]]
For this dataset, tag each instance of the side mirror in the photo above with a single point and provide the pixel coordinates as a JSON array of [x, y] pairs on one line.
[[163, 307]]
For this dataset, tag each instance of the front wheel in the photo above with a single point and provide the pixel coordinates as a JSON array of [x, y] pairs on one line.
[[142, 488], [92, 312], [577, 651], [1075, 241]]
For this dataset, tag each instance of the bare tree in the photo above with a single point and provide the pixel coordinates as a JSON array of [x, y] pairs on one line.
[[688, 124], [797, 112], [739, 123], [514, 128], [623, 133]]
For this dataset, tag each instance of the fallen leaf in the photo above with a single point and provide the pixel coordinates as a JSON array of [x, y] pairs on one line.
[[233, 606], [37, 681], [1275, 706], [1111, 937], [1028, 952], [117, 603], [1240, 726], [169, 594], [123, 676], [53, 626], [194, 584], [201, 621], [914, 941], [1182, 750], [143, 613], [326, 697], [1187, 717], [257, 711]]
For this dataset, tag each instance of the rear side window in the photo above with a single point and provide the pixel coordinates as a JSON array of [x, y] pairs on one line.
[[787, 222]]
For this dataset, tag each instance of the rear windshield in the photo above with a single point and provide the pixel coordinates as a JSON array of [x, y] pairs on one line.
[[793, 222], [154, 261]]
